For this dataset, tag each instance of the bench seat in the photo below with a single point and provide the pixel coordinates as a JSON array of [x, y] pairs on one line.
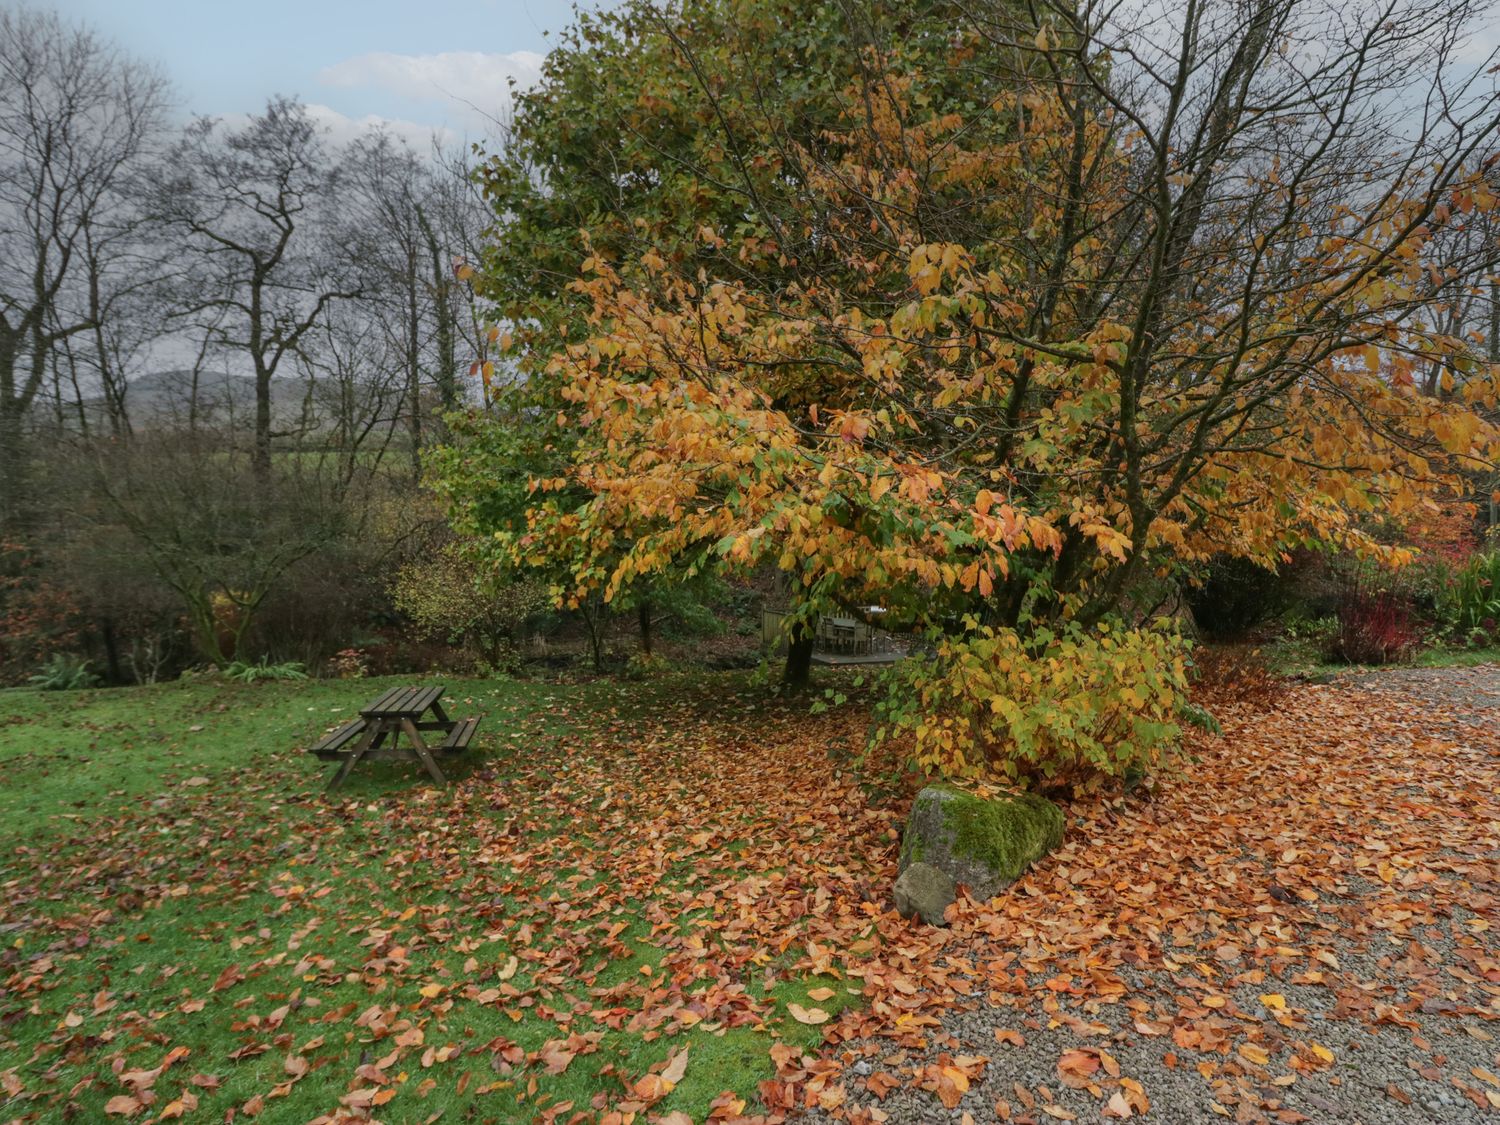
[[332, 746], [459, 737]]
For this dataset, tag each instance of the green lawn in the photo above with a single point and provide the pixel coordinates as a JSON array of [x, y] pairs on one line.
[[603, 889], [1304, 656]]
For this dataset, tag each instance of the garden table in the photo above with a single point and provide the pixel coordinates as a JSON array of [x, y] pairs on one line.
[[376, 734]]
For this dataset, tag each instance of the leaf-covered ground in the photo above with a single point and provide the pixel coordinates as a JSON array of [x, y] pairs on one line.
[[631, 900], [657, 900], [1303, 927]]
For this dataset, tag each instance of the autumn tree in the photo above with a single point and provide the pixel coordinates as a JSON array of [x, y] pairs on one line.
[[620, 140], [1154, 291]]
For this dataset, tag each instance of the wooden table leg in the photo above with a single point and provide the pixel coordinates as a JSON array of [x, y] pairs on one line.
[[374, 733], [420, 748]]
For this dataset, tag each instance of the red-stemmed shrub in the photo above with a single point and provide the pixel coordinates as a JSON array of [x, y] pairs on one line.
[[1376, 627]]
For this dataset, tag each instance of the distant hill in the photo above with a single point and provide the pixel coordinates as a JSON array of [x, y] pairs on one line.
[[166, 397]]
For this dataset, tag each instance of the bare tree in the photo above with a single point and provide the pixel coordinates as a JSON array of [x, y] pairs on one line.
[[358, 388], [76, 116], [387, 184], [252, 206], [413, 223]]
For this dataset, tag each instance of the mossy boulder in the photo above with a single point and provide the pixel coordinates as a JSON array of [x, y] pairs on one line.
[[923, 891], [984, 843]]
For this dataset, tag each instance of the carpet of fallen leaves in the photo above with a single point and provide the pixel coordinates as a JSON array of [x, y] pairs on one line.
[[730, 835], [1338, 825]]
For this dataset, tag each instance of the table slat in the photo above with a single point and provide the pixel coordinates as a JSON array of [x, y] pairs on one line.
[[408, 701], [425, 699]]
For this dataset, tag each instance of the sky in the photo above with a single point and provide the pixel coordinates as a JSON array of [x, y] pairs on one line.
[[418, 64]]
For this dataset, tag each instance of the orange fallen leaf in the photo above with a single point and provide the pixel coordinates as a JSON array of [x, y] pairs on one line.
[[1252, 1053], [807, 1015]]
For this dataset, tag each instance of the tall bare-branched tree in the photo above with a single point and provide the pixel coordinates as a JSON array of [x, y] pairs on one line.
[[252, 205], [76, 118], [412, 223]]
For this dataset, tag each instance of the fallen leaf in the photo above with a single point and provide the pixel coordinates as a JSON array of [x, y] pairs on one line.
[[1255, 1054], [807, 1015]]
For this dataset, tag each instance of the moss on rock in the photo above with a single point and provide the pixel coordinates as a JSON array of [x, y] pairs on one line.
[[1008, 835], [984, 843]]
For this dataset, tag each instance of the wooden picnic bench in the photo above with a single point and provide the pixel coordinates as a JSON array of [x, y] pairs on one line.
[[376, 734]]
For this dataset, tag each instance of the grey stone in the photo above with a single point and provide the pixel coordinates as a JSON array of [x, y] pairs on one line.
[[923, 891], [985, 844]]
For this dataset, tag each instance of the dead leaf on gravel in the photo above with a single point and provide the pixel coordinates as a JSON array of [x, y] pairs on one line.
[[1117, 1106]]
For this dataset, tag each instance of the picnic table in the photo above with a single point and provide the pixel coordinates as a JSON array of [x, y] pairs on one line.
[[376, 734]]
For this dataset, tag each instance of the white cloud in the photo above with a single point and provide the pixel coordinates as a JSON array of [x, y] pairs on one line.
[[339, 129], [473, 86]]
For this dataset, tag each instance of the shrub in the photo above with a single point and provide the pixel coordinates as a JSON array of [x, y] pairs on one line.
[[64, 673], [1233, 595], [450, 596], [1375, 628], [253, 673], [644, 666], [1197, 715], [37, 614], [349, 664], [1469, 604], [1070, 708]]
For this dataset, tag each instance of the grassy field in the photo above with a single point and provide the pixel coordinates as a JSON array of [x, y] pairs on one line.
[[1304, 656], [608, 910]]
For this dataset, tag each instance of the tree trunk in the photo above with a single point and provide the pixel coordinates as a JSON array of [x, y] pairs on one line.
[[443, 324], [799, 650], [593, 619], [260, 452], [643, 615], [12, 467], [260, 456], [414, 366], [111, 650]]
